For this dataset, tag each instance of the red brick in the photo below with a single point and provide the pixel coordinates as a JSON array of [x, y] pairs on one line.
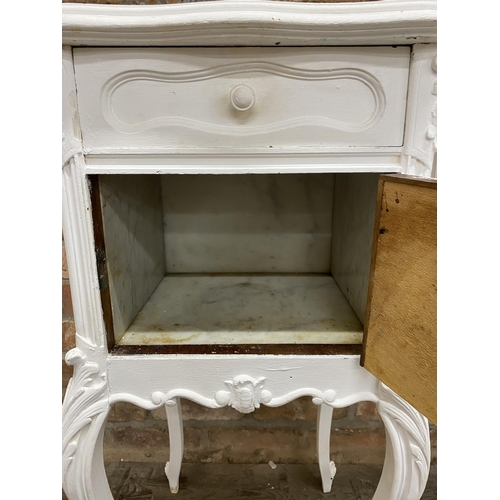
[[358, 446], [67, 373], [65, 274], [302, 409], [259, 445], [68, 335], [126, 412], [366, 410], [193, 411], [144, 443], [296, 445], [67, 306]]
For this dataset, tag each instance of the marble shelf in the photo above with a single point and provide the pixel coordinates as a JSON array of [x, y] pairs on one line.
[[245, 309]]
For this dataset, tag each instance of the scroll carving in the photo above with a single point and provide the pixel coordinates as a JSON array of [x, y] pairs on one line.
[[421, 122], [85, 409], [408, 442], [244, 394]]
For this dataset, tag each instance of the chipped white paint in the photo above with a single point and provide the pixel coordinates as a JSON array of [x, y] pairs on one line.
[[101, 379]]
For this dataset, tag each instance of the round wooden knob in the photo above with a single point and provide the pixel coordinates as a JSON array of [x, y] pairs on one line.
[[242, 97]]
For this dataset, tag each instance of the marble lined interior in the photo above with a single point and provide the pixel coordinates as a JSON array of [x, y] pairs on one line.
[[247, 223], [244, 225], [135, 256], [353, 222], [245, 309]]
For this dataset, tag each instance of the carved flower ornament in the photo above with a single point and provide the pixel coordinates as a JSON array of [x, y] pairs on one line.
[[245, 394]]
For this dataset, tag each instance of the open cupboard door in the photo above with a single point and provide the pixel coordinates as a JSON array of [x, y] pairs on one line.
[[399, 344]]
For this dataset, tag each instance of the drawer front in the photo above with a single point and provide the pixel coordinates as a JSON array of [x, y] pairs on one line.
[[166, 99]]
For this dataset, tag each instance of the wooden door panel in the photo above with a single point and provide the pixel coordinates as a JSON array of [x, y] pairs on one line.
[[399, 345]]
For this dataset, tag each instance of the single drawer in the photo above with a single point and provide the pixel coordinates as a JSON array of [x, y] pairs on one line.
[[178, 99]]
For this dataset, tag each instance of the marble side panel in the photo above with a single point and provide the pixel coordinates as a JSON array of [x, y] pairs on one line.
[[132, 221], [245, 309], [353, 222], [248, 223]]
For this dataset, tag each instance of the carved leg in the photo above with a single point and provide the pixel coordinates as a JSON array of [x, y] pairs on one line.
[[327, 468], [407, 458], [176, 438], [85, 410]]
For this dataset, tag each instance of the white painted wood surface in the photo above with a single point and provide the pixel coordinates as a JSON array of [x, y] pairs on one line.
[[245, 161], [243, 382], [420, 145], [251, 23], [164, 98], [327, 467], [176, 442], [258, 309]]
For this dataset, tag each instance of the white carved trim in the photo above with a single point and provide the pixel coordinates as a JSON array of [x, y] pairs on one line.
[[71, 135], [251, 23], [420, 143], [79, 244], [244, 394], [408, 450], [378, 159], [123, 78], [85, 409], [77, 221]]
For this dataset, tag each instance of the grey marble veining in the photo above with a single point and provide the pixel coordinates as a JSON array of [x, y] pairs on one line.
[[187, 309], [247, 223]]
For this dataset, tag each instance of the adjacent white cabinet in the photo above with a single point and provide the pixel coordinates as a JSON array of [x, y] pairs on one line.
[[221, 166]]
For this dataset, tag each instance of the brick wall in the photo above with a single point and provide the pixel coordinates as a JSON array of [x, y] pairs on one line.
[[284, 435]]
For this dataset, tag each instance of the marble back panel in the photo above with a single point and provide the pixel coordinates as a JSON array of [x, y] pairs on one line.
[[248, 223]]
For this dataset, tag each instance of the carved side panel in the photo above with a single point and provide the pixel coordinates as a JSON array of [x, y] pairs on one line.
[[71, 134], [408, 450], [85, 409], [420, 144], [77, 221], [241, 97]]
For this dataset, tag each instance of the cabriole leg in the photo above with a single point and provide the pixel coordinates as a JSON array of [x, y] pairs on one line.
[[85, 410], [327, 468], [408, 450], [176, 438]]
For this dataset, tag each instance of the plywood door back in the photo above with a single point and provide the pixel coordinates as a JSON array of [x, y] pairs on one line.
[[399, 344]]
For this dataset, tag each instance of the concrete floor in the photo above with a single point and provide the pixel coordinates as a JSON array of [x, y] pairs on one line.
[[147, 481]]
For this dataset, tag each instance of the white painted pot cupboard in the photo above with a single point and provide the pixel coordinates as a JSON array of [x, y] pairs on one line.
[[200, 270]]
